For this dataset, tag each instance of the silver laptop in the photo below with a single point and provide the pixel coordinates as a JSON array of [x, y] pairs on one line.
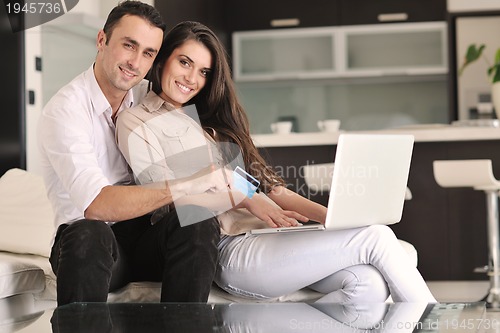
[[368, 184]]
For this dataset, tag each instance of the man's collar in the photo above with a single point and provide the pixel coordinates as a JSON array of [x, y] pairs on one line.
[[99, 101]]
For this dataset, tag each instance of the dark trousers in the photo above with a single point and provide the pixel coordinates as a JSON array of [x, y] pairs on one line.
[[90, 258]]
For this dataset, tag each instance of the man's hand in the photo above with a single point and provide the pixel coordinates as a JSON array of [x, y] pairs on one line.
[[209, 179]]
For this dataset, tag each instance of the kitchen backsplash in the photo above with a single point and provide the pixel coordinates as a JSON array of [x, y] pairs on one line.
[[361, 105]]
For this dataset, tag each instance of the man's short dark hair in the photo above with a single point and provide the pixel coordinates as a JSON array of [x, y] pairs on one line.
[[135, 8]]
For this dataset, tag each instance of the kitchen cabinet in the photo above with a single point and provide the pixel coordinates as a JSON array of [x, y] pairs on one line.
[[368, 76], [392, 49], [408, 49], [12, 134], [263, 14], [384, 11], [284, 54], [210, 13]]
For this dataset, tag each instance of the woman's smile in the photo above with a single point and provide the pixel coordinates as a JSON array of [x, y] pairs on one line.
[[183, 88]]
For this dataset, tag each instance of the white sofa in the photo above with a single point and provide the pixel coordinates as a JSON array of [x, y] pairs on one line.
[[27, 283]]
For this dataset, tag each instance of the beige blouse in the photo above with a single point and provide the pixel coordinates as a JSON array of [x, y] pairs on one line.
[[161, 143]]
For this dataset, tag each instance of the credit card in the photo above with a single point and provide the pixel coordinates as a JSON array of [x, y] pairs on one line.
[[245, 182]]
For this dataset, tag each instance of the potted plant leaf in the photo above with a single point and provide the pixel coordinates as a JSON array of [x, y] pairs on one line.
[[475, 52]]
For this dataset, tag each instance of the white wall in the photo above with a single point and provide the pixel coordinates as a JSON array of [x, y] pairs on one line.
[[475, 80], [91, 7], [33, 47], [65, 50]]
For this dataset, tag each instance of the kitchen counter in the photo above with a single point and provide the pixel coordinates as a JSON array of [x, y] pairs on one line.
[[422, 133]]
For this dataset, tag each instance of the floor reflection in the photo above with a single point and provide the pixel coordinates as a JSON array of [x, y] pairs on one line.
[[275, 317]]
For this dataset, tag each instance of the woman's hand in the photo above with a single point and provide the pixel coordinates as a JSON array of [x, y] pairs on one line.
[[273, 215], [288, 199]]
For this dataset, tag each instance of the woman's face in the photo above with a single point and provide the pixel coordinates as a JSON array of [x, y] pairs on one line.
[[185, 72]]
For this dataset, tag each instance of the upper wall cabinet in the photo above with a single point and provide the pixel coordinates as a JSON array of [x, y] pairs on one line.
[[210, 13], [408, 49], [385, 11], [394, 49], [284, 54], [265, 14]]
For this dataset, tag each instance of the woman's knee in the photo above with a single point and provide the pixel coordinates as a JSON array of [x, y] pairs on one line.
[[380, 239], [382, 232], [356, 284], [371, 285]]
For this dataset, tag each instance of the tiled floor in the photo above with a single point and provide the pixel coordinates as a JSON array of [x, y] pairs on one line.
[[458, 291], [466, 291]]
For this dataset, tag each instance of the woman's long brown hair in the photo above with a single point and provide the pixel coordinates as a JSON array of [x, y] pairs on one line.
[[217, 103]]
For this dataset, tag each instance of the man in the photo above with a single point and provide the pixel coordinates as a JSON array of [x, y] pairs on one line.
[[104, 236]]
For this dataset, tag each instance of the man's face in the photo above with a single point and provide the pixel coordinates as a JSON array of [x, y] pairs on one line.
[[126, 56]]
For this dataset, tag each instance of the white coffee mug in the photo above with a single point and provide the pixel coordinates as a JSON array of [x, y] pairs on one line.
[[329, 125], [281, 127]]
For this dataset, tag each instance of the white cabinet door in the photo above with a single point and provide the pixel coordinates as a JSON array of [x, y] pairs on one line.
[[395, 49], [284, 54]]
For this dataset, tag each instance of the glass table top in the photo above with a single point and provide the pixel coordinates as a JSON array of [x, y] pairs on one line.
[[255, 317]]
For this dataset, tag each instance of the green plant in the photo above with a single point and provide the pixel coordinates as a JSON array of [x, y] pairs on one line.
[[474, 53]]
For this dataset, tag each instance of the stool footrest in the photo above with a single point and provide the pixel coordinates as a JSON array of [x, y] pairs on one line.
[[482, 269]]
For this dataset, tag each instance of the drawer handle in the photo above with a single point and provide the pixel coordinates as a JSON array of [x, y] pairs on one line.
[[289, 22], [391, 17]]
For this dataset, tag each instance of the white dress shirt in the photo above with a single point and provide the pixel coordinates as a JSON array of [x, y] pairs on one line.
[[77, 145]]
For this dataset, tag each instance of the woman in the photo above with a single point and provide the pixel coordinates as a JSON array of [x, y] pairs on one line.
[[349, 266]]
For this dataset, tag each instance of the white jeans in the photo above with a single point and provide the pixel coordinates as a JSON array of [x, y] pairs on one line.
[[348, 266]]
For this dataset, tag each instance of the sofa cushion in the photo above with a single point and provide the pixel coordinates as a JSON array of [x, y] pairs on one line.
[[17, 312], [19, 277], [26, 217]]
